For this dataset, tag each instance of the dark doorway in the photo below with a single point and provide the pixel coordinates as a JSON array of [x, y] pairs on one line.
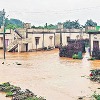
[[95, 45]]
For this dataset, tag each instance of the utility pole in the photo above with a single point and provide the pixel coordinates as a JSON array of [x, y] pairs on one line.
[[60, 27], [4, 32], [60, 38]]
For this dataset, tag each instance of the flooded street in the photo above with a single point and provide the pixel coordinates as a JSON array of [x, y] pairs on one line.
[[48, 75]]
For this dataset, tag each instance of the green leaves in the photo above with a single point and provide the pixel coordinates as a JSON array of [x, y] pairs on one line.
[[90, 23], [13, 23], [71, 24]]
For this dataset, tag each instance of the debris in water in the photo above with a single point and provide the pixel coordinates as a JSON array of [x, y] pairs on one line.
[[18, 63], [17, 94], [2, 62], [80, 98]]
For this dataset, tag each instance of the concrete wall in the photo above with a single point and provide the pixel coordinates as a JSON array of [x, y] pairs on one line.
[[48, 40], [21, 47], [8, 37], [1, 42], [71, 35], [94, 38], [48, 37], [33, 44]]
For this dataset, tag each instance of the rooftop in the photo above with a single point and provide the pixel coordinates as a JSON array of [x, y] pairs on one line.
[[94, 30]]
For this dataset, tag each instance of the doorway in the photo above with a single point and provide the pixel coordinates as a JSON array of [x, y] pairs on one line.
[[95, 45]]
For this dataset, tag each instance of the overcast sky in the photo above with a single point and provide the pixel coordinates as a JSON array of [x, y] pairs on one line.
[[39, 12]]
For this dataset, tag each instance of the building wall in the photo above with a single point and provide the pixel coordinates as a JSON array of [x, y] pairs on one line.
[[22, 47], [1, 42], [49, 40], [64, 38], [57, 39], [8, 37], [48, 37], [94, 38], [22, 31], [71, 35], [33, 44]]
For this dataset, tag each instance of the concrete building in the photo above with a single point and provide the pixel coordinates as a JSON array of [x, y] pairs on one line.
[[27, 38], [68, 34], [94, 37], [8, 37], [41, 38]]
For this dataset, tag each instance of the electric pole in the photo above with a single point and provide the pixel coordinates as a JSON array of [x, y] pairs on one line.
[[60, 27], [4, 32]]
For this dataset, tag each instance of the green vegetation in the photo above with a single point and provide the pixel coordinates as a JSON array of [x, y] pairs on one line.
[[13, 23], [9, 94], [71, 24], [16, 23], [17, 94], [35, 98], [96, 96], [1, 20], [75, 56], [68, 25], [92, 58], [90, 23], [50, 26]]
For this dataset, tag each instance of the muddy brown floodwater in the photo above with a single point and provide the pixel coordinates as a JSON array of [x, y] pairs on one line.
[[48, 75]]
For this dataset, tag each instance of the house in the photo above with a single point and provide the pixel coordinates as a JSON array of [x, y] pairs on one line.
[[94, 37], [41, 38], [8, 37], [69, 34], [26, 39]]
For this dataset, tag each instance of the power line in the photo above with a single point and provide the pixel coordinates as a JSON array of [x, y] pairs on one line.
[[55, 12]]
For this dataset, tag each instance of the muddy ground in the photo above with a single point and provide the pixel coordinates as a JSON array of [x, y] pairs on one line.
[[48, 75]]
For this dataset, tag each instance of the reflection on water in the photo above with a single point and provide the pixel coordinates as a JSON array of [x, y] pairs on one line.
[[48, 75]]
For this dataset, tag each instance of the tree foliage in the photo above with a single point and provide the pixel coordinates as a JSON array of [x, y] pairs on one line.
[[13, 23], [50, 26], [71, 24], [90, 23], [1, 21]]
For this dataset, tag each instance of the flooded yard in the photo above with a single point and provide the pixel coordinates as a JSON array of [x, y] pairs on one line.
[[48, 75]]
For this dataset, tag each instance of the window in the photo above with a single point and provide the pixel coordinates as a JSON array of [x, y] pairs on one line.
[[37, 40], [68, 39]]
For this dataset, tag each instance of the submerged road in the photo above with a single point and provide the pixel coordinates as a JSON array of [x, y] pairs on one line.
[[48, 75]]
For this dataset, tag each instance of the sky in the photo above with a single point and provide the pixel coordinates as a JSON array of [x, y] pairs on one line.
[[39, 12]]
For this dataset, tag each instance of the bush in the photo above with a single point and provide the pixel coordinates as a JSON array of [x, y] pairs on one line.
[[9, 94], [96, 96], [75, 56]]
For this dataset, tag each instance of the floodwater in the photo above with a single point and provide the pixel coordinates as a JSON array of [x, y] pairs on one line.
[[48, 75]]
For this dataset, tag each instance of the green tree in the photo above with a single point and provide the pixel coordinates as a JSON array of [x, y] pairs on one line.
[[90, 23], [16, 22], [13, 23], [71, 24], [51, 26], [1, 21], [33, 26]]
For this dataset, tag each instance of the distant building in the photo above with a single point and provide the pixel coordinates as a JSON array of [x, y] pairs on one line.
[[94, 37], [69, 34], [27, 38]]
